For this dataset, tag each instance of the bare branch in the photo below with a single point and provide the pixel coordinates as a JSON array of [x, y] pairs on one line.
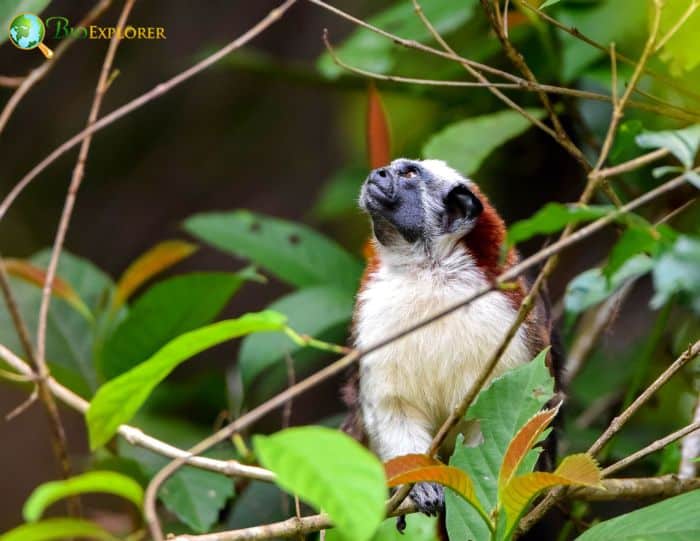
[[26, 83], [156, 92], [136, 436]]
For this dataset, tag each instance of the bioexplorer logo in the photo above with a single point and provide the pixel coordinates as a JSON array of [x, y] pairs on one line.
[[27, 31]]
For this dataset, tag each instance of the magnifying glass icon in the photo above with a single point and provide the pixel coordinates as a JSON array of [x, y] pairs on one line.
[[27, 31]]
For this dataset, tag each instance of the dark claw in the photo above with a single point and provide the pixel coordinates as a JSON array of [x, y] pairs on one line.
[[401, 523], [429, 497]]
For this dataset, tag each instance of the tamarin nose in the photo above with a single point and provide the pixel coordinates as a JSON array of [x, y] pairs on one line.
[[382, 184]]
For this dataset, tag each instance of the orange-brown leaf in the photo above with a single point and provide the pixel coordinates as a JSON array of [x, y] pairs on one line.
[[378, 137], [24, 270], [522, 443], [575, 470], [406, 463], [448, 476], [155, 260]]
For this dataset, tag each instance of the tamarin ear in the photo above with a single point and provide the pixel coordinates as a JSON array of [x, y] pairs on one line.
[[461, 205]]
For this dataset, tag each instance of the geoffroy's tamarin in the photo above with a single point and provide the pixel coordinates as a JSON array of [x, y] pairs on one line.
[[436, 239]]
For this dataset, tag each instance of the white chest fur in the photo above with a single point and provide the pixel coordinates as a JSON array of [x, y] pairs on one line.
[[418, 379]]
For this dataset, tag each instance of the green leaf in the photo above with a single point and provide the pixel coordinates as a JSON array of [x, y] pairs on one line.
[[95, 481], [339, 194], [332, 307], [328, 469], [118, 400], [57, 529], [678, 272], [9, 9], [467, 143], [70, 336], [164, 311], [683, 144], [591, 287], [292, 252], [635, 240], [602, 22], [501, 409], [367, 50], [680, 52], [549, 3], [674, 519], [554, 217]]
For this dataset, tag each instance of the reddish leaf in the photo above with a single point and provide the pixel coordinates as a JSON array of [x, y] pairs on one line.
[[35, 275], [378, 137], [155, 260], [575, 470], [406, 463], [522, 443]]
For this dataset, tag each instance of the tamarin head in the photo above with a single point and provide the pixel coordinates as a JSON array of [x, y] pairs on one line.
[[424, 207]]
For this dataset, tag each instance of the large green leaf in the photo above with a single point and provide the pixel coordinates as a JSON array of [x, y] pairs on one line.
[[9, 9], [118, 400], [292, 252], [69, 335], [195, 496], [370, 51], [418, 528], [95, 481], [57, 529], [680, 51], [465, 144], [331, 307], [328, 469], [674, 519], [166, 310], [554, 217], [501, 409]]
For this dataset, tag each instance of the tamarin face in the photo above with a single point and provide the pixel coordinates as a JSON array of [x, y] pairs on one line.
[[418, 204]]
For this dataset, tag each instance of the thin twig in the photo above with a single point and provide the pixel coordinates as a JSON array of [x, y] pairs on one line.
[[633, 164], [652, 448], [680, 22], [136, 436], [690, 449], [156, 92], [39, 73], [76, 180], [11, 82]]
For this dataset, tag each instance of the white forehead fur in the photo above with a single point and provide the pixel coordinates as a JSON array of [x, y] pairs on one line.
[[444, 172]]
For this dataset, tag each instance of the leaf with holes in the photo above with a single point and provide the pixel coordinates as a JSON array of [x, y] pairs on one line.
[[574, 470], [95, 481], [328, 469], [467, 143], [118, 400], [159, 258], [294, 253]]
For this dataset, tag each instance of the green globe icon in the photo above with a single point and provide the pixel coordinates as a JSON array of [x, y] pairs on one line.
[[27, 32]]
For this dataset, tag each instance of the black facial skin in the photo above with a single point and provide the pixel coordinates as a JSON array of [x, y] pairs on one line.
[[400, 195], [392, 195]]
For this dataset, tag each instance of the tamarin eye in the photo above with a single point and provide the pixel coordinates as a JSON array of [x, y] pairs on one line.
[[409, 172]]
